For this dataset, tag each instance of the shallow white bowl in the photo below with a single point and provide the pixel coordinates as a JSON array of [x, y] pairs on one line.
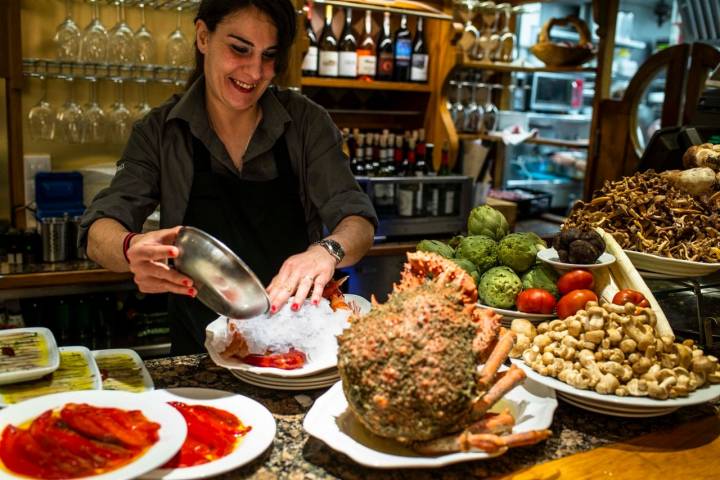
[[670, 267]]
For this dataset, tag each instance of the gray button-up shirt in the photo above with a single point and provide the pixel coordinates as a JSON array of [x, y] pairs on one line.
[[157, 164]]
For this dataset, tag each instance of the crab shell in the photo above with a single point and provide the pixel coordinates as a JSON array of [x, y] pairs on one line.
[[411, 368]]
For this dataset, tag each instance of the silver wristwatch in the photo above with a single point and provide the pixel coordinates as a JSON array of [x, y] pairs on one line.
[[333, 248]]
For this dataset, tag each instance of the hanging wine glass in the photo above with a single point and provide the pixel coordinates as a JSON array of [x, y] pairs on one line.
[[474, 112], [144, 41], [69, 117], [507, 38], [41, 117], [178, 46], [67, 37], [93, 46], [142, 108], [457, 109], [94, 122], [121, 41], [490, 118], [119, 116], [489, 40], [470, 33]]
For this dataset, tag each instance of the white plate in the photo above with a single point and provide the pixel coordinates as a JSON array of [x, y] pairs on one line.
[[363, 304], [170, 436], [331, 421], [46, 361], [77, 371], [270, 382], [313, 366], [550, 256], [290, 386], [320, 377], [512, 314], [702, 395], [612, 412], [142, 381], [670, 267], [250, 413]]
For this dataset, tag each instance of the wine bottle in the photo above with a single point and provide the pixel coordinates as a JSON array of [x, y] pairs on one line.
[[403, 51], [366, 52], [348, 48], [385, 51], [419, 61], [329, 57], [449, 191], [310, 62]]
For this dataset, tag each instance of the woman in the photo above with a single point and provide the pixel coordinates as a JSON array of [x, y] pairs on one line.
[[258, 168]]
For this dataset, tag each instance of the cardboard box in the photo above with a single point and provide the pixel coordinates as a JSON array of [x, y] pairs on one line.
[[507, 208]]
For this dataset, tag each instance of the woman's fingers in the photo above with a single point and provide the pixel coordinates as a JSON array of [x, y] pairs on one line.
[[318, 287], [304, 286], [147, 284], [151, 252]]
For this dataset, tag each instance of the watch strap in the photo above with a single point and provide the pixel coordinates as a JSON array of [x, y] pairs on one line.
[[333, 248]]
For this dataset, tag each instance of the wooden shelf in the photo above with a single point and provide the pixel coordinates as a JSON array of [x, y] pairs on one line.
[[48, 279], [417, 9], [466, 62], [497, 137], [363, 85]]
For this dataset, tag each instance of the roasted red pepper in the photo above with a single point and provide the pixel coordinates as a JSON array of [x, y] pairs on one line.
[[286, 361]]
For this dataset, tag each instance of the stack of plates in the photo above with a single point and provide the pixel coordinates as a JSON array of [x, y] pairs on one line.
[[639, 407], [509, 315], [322, 379]]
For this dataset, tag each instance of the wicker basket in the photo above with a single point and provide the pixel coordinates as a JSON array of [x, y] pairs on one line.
[[559, 55]]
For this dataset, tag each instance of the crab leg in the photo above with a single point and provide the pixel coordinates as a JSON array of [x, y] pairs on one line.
[[498, 423], [496, 358], [484, 442], [506, 381]]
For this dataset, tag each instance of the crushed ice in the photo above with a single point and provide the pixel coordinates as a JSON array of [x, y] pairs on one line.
[[312, 330]]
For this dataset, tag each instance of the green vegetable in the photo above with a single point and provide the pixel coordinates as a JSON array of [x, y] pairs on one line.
[[435, 246], [455, 241], [535, 238], [541, 276], [480, 250], [499, 287], [465, 264], [517, 251], [485, 220]]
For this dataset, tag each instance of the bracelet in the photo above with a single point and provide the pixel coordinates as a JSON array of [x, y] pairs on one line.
[[126, 244]]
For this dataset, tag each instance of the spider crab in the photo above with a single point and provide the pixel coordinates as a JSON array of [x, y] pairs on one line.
[[422, 368]]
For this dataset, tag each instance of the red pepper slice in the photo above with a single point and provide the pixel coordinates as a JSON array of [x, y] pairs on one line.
[[286, 361]]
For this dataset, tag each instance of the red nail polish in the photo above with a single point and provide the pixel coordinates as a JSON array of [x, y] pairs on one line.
[[315, 302], [186, 283], [295, 307], [273, 309], [171, 253], [192, 292]]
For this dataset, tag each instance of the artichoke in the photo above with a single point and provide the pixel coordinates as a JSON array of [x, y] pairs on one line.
[[499, 287], [485, 220], [517, 251], [541, 276], [480, 250], [435, 246]]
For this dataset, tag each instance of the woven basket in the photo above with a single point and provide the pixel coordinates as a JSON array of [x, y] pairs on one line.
[[559, 55]]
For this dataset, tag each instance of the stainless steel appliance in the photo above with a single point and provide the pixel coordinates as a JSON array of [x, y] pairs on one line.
[[557, 92]]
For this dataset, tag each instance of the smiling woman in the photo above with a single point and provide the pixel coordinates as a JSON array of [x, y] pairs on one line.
[[259, 168]]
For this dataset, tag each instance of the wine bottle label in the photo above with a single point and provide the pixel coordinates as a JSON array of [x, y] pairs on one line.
[[419, 198], [384, 194], [403, 50], [449, 201], [386, 64], [310, 62], [405, 202], [329, 63], [348, 64], [419, 67], [433, 201], [367, 65]]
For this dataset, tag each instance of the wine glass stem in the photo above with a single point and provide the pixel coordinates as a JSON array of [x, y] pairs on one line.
[[142, 14], [119, 93], [96, 11], [93, 92], [68, 9], [44, 89], [179, 10]]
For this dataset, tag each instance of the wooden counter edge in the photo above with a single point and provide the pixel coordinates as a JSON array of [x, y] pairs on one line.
[[47, 279], [690, 450]]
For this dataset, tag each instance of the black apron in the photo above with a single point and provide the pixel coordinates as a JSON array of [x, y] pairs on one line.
[[262, 222]]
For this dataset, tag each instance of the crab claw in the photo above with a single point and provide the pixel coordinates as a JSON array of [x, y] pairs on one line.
[[483, 442]]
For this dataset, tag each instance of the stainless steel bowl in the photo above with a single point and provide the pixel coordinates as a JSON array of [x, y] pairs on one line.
[[224, 283]]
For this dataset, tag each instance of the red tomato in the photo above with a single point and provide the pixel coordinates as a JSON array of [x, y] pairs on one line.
[[576, 300], [575, 280], [535, 300], [286, 361], [632, 296]]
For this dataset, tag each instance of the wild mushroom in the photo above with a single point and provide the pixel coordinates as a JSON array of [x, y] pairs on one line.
[[637, 387], [607, 384]]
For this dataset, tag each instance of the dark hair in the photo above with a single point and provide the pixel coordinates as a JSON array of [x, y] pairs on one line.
[[281, 13]]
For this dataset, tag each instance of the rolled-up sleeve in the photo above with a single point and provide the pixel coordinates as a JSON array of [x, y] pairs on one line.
[[134, 192], [331, 184]]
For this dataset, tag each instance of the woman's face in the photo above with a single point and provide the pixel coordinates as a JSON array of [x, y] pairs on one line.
[[239, 57]]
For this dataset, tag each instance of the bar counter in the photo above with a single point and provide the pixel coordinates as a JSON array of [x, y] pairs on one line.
[[685, 442]]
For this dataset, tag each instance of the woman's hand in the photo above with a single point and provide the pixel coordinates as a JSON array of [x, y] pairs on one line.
[[301, 274], [148, 255]]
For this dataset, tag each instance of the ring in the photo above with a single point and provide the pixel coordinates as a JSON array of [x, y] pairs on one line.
[[308, 278], [288, 289]]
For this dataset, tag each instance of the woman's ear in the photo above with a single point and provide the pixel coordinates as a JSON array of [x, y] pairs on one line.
[[201, 36]]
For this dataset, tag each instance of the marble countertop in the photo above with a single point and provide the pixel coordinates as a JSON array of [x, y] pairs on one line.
[[295, 455]]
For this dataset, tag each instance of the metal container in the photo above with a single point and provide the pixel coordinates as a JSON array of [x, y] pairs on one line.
[[54, 231], [224, 283], [77, 251]]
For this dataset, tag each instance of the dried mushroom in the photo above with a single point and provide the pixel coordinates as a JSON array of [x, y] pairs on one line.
[[578, 245]]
